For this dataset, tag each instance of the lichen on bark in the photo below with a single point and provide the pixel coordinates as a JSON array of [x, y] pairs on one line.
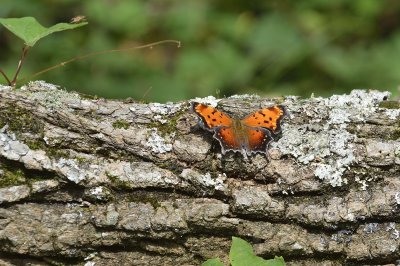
[[105, 182]]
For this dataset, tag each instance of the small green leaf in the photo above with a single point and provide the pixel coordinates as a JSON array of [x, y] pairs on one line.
[[241, 254], [30, 31], [277, 261], [212, 262]]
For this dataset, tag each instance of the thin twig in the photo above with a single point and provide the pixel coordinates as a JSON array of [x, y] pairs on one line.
[[5, 76], [150, 45]]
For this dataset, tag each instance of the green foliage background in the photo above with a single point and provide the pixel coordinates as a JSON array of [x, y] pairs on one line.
[[228, 47]]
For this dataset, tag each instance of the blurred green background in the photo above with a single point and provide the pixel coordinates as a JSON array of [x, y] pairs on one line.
[[228, 47]]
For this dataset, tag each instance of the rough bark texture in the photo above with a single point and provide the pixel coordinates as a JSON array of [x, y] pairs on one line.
[[101, 182]]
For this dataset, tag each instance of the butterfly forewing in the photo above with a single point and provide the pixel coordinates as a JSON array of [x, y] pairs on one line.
[[210, 116], [267, 118]]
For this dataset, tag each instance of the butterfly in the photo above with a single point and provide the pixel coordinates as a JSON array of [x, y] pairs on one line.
[[251, 134]]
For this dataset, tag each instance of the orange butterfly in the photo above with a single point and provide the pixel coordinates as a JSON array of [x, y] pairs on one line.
[[249, 135]]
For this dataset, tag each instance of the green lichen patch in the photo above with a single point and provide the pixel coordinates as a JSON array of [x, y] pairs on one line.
[[169, 126], [390, 104], [81, 160], [117, 182], [14, 173], [87, 96], [20, 120], [35, 144], [121, 124], [11, 177], [397, 152], [383, 132], [145, 198], [56, 152], [395, 134]]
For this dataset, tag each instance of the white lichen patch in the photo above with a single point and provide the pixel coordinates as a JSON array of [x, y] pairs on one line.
[[70, 169], [14, 193], [159, 144], [244, 96], [99, 193], [39, 85], [164, 109], [339, 142], [15, 150], [331, 173], [397, 198], [44, 185], [397, 155], [11, 148], [341, 156], [204, 181], [160, 119], [4, 88], [302, 144], [358, 105], [292, 98], [362, 182], [90, 263], [36, 159], [329, 147], [339, 116], [140, 174], [50, 95], [209, 100], [392, 227], [392, 113]]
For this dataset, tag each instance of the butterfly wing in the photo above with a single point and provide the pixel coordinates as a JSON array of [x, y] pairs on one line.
[[210, 116], [258, 140], [269, 118], [227, 138]]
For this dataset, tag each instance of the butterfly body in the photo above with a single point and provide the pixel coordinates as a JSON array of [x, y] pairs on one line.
[[249, 135]]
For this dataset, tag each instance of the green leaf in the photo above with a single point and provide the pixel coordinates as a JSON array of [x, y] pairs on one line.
[[212, 262], [30, 31], [241, 254], [277, 261]]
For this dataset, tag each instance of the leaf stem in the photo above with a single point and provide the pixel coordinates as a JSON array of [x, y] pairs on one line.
[[21, 61]]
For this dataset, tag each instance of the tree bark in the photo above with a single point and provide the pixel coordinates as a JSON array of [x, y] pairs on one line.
[[105, 182]]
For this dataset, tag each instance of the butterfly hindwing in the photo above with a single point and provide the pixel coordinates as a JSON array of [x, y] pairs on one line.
[[227, 138], [258, 140]]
